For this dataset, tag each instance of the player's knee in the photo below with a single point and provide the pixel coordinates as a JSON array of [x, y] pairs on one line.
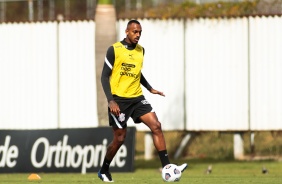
[[156, 127], [120, 139], [119, 136]]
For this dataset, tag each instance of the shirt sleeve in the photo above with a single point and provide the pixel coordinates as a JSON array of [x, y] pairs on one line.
[[145, 83], [143, 80], [106, 73]]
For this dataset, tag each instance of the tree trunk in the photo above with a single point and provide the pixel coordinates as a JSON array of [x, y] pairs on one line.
[[105, 20]]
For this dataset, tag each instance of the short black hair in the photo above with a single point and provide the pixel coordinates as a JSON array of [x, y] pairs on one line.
[[133, 21]]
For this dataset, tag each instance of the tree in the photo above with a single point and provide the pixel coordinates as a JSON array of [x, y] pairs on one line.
[[105, 35]]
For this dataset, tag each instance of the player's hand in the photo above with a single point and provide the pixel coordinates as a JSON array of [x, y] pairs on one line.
[[157, 92], [114, 108]]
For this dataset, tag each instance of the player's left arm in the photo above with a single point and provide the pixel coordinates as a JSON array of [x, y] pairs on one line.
[[146, 84]]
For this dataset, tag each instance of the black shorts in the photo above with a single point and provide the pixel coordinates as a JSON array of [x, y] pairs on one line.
[[129, 107]]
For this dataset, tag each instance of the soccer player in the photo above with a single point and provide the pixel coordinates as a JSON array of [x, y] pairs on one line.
[[121, 80]]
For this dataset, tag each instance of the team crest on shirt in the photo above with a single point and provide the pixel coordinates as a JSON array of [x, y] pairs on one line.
[[121, 117]]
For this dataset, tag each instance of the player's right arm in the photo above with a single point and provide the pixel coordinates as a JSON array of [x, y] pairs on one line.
[[105, 80]]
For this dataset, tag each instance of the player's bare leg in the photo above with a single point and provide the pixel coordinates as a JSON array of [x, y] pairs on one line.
[[118, 140], [151, 120], [113, 147]]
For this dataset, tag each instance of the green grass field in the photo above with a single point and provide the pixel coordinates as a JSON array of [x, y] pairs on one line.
[[147, 172]]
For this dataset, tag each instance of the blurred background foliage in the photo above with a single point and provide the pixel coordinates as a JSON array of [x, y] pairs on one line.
[[219, 145], [50, 10]]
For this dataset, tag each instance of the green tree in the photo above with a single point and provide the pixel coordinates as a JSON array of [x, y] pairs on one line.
[[105, 2]]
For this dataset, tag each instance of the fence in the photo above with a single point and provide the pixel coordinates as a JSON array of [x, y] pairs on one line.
[[217, 74], [48, 75]]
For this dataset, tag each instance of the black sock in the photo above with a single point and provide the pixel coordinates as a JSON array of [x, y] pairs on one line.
[[164, 157], [106, 165]]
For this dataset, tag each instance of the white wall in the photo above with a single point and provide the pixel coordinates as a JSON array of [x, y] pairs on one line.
[[217, 74], [43, 85], [78, 104], [231, 79], [28, 76], [265, 74]]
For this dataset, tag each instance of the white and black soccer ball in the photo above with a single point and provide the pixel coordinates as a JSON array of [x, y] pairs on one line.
[[171, 173]]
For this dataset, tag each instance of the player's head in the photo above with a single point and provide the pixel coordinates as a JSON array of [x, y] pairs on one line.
[[133, 31]]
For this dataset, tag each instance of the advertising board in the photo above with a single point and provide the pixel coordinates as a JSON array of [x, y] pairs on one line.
[[63, 150]]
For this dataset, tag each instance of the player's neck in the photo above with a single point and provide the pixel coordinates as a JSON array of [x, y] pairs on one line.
[[127, 44]]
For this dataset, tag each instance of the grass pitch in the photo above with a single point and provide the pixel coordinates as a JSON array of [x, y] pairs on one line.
[[148, 172]]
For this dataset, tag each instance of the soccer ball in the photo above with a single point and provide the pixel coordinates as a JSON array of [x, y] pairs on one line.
[[171, 173]]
